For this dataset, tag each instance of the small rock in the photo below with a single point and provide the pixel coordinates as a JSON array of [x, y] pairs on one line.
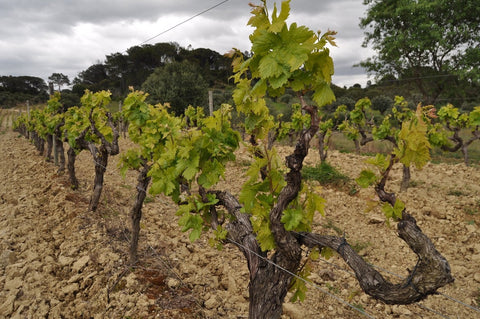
[[388, 309], [364, 299], [326, 275], [293, 311], [477, 277], [375, 220], [214, 282], [70, 289], [212, 303], [7, 257], [401, 310], [438, 214], [75, 278], [476, 258], [80, 263], [65, 261], [13, 284], [131, 281], [7, 307], [471, 229], [173, 283]]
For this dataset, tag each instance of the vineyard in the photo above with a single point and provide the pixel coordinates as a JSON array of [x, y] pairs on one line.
[[68, 259], [144, 213]]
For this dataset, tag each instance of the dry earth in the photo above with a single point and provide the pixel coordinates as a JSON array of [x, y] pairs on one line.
[[59, 261]]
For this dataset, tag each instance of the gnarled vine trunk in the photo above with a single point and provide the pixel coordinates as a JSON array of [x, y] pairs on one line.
[[49, 147], [72, 155], [61, 154], [268, 284], [136, 211], [431, 272], [322, 148], [406, 176], [270, 277], [100, 156]]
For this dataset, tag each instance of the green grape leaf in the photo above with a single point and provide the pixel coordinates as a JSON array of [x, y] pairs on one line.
[[474, 117], [194, 222], [380, 161], [366, 178], [327, 253], [314, 254], [413, 145], [315, 203], [279, 21], [265, 238], [448, 113], [323, 94], [394, 212], [291, 218], [299, 284]]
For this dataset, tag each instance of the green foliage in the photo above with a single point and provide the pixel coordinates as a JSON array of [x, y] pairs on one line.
[[366, 179], [325, 174], [193, 213], [77, 119], [219, 235], [474, 117], [357, 123], [259, 195], [299, 216], [413, 145], [178, 83], [192, 151], [283, 56], [394, 212], [299, 285], [423, 39]]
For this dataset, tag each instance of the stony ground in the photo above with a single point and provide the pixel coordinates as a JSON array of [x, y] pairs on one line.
[[59, 261]]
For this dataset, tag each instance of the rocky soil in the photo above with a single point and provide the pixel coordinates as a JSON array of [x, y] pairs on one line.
[[57, 260]]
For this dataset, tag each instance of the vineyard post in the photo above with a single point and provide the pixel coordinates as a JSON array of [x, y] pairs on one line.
[[210, 102], [55, 152]]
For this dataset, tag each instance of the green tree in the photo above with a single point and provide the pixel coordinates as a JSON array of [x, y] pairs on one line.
[[18, 89], [429, 42], [59, 79], [94, 79], [178, 83]]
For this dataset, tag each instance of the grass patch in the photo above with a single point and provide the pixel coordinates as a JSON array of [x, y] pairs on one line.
[[148, 199], [414, 183], [326, 174], [331, 225], [471, 211], [456, 192], [358, 246]]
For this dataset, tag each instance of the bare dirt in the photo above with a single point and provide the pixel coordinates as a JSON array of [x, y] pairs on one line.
[[57, 260]]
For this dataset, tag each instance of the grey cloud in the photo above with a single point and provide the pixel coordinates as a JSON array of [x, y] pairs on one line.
[[41, 37]]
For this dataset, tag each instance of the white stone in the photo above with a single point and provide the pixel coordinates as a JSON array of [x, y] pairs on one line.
[[212, 303], [173, 283], [80, 263]]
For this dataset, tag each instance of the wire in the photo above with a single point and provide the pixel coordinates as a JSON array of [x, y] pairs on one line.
[[184, 21]]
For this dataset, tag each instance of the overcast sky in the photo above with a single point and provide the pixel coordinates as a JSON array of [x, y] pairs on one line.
[[38, 38]]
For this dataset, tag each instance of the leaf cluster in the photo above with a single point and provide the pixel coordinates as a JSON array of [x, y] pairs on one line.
[[180, 151], [79, 120], [283, 56]]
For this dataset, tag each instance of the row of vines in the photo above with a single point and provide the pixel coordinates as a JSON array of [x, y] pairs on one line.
[[270, 220]]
